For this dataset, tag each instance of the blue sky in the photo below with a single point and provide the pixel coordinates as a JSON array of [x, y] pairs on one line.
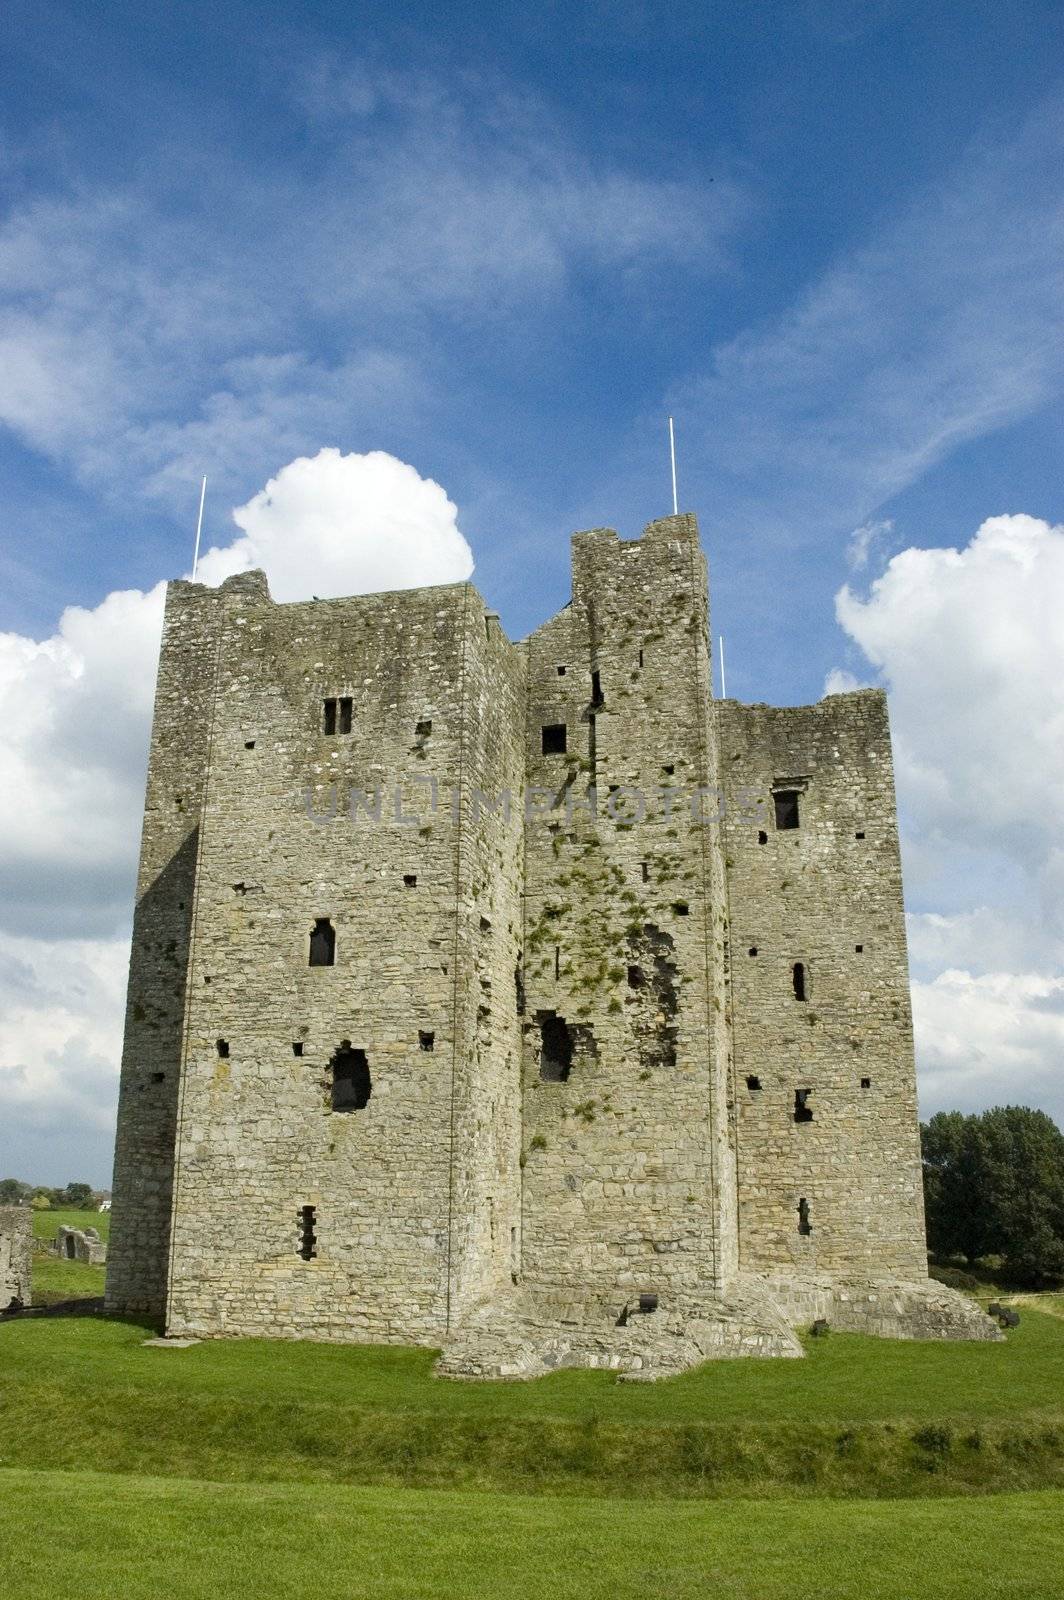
[[502, 244]]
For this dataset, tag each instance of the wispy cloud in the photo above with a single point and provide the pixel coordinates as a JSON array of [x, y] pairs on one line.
[[946, 324], [144, 341]]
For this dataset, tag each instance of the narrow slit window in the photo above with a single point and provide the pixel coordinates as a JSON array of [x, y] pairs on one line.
[[640, 658], [323, 943], [554, 738], [222, 1047], [644, 870], [596, 689], [805, 1227], [785, 802], [798, 980], [351, 1083], [308, 1239], [297, 1047], [329, 722], [557, 961], [803, 1111], [762, 836], [344, 708]]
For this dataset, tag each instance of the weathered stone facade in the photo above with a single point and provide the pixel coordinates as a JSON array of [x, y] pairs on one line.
[[16, 1254], [480, 989]]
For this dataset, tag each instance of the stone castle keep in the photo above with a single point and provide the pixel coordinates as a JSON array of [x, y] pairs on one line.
[[516, 999]]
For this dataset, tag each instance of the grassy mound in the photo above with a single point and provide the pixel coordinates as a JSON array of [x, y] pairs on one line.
[[858, 1417], [95, 1537]]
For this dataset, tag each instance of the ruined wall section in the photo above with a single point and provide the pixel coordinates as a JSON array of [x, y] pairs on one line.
[[826, 895], [16, 1254], [292, 1216], [622, 1177], [489, 872], [155, 1006]]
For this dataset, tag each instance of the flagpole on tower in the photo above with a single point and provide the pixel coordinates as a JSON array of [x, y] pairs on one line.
[[672, 455], [723, 690], [199, 527]]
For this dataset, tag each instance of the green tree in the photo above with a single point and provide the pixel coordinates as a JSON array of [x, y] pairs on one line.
[[78, 1195], [13, 1191], [994, 1185]]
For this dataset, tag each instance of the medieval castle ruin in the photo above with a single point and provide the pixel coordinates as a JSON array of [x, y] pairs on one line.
[[516, 999]]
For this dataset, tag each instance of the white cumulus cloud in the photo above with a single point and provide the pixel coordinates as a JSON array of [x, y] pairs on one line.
[[970, 646], [335, 524]]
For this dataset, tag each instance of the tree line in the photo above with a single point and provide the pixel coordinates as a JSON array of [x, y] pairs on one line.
[[994, 1189], [72, 1196]]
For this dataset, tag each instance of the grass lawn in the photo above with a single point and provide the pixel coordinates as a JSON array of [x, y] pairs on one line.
[[46, 1224], [93, 1537], [858, 1416], [54, 1279]]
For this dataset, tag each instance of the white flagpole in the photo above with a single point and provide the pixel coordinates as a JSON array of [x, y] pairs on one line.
[[199, 527], [672, 454], [723, 690]]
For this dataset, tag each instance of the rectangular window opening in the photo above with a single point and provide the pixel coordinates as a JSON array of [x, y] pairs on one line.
[[798, 980], [866, 1083], [753, 1082], [345, 707], [410, 880], [329, 723], [596, 689], [561, 672], [554, 738], [426, 1041], [351, 1084], [803, 1111], [805, 1227], [297, 1047], [222, 1047], [640, 658], [644, 871], [858, 949], [308, 1239], [785, 803]]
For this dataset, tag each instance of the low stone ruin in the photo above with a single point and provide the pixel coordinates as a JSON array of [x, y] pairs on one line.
[[80, 1244]]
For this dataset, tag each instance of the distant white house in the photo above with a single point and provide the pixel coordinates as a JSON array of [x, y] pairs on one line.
[[104, 1205]]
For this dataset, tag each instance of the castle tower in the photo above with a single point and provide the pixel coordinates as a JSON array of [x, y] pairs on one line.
[[514, 998]]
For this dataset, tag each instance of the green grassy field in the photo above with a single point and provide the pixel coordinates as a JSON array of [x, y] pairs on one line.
[[54, 1279], [93, 1537], [857, 1417], [46, 1224]]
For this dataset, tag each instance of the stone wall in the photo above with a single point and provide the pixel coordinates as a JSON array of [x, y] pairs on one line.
[[624, 1180], [16, 1254], [826, 895], [80, 1244]]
